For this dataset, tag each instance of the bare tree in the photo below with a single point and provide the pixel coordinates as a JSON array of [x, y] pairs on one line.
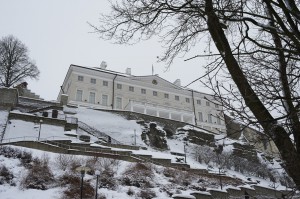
[[15, 65], [254, 43]]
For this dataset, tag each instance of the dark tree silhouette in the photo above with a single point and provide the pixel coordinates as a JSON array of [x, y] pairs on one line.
[[257, 46], [15, 64]]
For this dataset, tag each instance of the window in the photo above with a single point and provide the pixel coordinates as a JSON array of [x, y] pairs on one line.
[[143, 91], [131, 88], [218, 120], [105, 83], [154, 93], [176, 97], [167, 95], [207, 104], [79, 95], [93, 81], [104, 100], [200, 116], [80, 78], [187, 100], [119, 86], [209, 118], [216, 105], [92, 98], [199, 102], [119, 103]]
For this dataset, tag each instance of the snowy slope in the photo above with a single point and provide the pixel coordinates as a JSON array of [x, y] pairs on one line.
[[118, 128]]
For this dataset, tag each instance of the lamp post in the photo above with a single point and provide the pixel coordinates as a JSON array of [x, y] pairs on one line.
[[184, 148], [41, 121], [134, 137], [82, 172], [97, 172]]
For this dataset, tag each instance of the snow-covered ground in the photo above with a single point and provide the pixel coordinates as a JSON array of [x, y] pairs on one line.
[[117, 127]]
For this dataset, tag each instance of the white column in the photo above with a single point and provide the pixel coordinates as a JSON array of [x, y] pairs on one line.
[[145, 110], [181, 117], [193, 120], [157, 113], [170, 116]]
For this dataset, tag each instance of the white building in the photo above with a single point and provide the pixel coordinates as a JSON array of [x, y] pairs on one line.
[[151, 95]]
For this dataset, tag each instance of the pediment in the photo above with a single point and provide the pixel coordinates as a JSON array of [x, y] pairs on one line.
[[155, 80]]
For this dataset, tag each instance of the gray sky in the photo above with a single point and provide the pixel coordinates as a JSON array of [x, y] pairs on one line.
[[57, 35]]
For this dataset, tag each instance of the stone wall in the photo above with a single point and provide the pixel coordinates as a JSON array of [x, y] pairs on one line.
[[258, 139], [8, 97], [201, 138], [201, 195], [168, 124], [46, 120], [28, 104]]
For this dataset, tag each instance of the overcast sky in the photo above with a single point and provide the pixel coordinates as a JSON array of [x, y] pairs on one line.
[[57, 35]]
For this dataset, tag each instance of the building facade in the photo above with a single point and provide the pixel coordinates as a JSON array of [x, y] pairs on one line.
[[151, 95]]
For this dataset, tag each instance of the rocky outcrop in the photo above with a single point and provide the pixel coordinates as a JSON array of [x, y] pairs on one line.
[[155, 137], [199, 137]]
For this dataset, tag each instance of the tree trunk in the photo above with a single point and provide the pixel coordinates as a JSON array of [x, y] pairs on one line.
[[278, 134]]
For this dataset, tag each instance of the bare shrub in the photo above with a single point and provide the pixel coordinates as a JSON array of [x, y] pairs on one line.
[[39, 176], [72, 182], [75, 162], [169, 189], [182, 178], [63, 161], [24, 156], [107, 164], [107, 179], [146, 194], [6, 176], [101, 196], [26, 159], [10, 152], [169, 172], [138, 175], [130, 192], [202, 154]]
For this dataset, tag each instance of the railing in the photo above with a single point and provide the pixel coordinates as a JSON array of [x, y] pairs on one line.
[[86, 149], [34, 138], [97, 133], [18, 139], [161, 106]]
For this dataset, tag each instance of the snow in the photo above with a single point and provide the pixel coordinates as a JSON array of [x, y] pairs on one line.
[[202, 192], [8, 192], [17, 130], [184, 196], [120, 129], [116, 126]]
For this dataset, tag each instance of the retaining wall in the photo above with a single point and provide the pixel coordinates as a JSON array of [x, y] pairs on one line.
[[8, 97], [46, 120]]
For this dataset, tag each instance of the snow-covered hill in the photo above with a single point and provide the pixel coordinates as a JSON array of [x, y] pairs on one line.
[[125, 179]]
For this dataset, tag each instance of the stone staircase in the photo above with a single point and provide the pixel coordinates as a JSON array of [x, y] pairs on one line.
[[69, 147], [94, 132], [28, 93]]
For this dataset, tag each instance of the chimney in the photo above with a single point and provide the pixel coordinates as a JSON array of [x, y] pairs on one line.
[[103, 65], [128, 71], [177, 82]]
